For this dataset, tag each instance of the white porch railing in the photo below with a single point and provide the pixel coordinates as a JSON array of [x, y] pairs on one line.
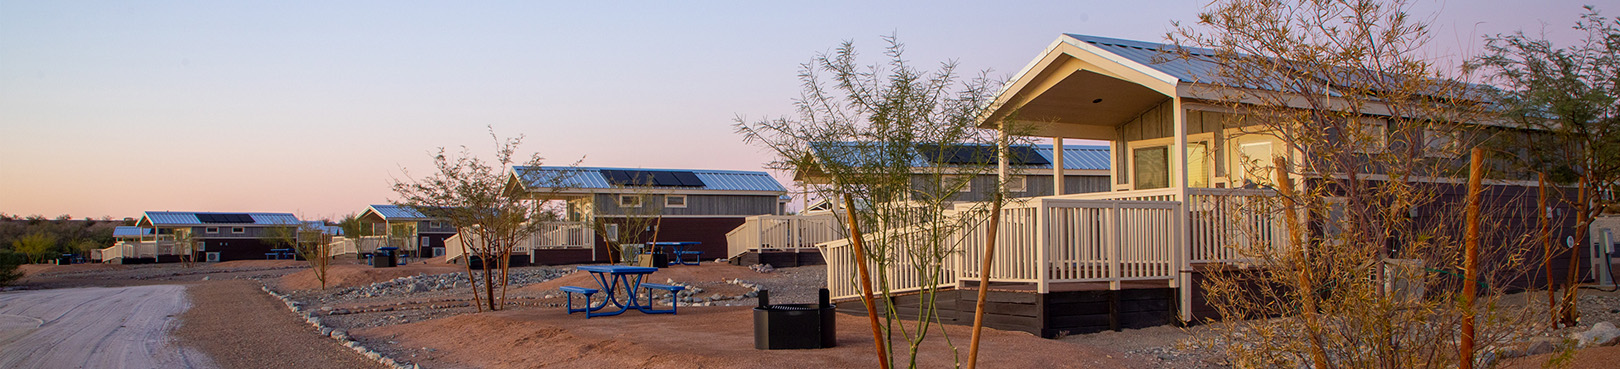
[[782, 233], [1110, 237], [138, 249], [549, 236]]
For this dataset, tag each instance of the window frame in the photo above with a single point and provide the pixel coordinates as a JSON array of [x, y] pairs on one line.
[[1018, 184], [637, 203], [683, 203], [210, 230], [238, 230], [1362, 125]]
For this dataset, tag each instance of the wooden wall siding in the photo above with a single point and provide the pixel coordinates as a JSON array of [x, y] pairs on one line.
[[225, 232], [238, 249], [1049, 315], [780, 259], [1156, 122], [563, 256], [426, 226], [734, 205], [710, 231], [1509, 221], [1035, 185]]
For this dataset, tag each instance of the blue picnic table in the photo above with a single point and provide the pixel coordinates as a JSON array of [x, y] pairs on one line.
[[679, 250], [278, 254], [615, 278]]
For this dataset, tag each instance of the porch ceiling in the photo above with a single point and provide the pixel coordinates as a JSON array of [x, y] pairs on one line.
[[1088, 98]]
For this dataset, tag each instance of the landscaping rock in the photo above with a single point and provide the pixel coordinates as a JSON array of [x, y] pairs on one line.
[[1601, 333]]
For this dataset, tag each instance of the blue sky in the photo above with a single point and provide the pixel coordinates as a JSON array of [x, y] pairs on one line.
[[112, 108]]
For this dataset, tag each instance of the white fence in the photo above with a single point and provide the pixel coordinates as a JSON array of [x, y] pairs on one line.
[[137, 249], [782, 233]]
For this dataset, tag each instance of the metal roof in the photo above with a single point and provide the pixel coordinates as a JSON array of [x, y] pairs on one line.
[[396, 212], [1075, 157], [130, 231], [591, 178], [180, 218], [1160, 57]]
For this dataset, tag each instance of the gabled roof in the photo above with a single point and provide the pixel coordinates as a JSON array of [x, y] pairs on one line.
[[198, 218], [587, 179], [1160, 57], [395, 212], [1075, 157], [130, 231], [327, 229]]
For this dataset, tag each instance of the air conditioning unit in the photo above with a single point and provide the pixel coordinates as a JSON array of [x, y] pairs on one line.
[[212, 257]]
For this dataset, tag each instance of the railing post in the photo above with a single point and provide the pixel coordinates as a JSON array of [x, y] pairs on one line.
[[1043, 214], [1118, 242]]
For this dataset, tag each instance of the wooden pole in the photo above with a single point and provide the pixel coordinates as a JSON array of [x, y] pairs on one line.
[[866, 281], [1547, 249], [1465, 354], [990, 237], [1307, 293], [1571, 313]]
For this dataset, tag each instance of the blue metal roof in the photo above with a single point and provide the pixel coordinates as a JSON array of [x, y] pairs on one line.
[[1075, 157], [1161, 57], [396, 212], [591, 178], [130, 231], [178, 218]]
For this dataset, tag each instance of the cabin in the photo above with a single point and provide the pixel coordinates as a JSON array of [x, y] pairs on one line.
[[404, 227], [159, 237], [697, 205], [789, 240], [1177, 197]]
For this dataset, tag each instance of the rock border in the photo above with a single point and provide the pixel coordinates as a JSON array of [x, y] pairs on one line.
[[336, 334]]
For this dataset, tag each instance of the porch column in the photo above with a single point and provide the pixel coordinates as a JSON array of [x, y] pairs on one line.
[[1057, 166], [1183, 249]]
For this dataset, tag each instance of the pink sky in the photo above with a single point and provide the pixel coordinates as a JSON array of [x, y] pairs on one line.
[[113, 108]]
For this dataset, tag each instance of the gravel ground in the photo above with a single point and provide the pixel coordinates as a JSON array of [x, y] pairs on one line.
[[98, 327], [240, 326]]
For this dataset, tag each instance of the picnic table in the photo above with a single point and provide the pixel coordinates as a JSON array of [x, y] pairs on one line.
[[679, 250], [614, 278], [278, 254]]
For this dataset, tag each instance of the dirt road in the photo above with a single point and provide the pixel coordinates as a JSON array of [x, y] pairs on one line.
[[121, 327]]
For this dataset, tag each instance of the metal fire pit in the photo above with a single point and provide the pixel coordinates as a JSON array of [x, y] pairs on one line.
[[794, 326]]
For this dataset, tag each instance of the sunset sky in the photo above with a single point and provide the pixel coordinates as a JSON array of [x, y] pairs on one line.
[[110, 108]]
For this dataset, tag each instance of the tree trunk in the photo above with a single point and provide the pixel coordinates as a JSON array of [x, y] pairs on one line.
[[866, 281], [1547, 250], [1465, 348], [1307, 293]]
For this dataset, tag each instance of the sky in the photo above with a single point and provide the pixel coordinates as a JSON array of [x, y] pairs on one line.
[[111, 108]]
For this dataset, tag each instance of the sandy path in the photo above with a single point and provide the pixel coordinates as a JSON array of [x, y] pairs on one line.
[[122, 327], [242, 327]]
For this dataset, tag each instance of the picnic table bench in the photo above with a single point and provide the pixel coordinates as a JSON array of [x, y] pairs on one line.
[[619, 278]]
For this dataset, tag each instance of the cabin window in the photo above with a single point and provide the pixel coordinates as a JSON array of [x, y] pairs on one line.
[[1198, 164], [238, 230], [612, 232], [1368, 136], [675, 201], [1017, 184], [629, 201], [1441, 144], [1151, 167], [211, 230], [435, 225], [1256, 163], [963, 184]]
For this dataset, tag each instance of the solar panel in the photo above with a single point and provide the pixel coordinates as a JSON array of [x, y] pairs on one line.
[[224, 218], [662, 178], [979, 154], [688, 179]]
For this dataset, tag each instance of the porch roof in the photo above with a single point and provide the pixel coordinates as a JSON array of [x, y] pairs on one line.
[[544, 178], [130, 231], [395, 212], [1075, 157]]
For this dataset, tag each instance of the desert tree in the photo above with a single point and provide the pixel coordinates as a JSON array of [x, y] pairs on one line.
[[35, 245], [1570, 97], [633, 218], [1374, 131], [859, 131], [473, 194], [309, 241]]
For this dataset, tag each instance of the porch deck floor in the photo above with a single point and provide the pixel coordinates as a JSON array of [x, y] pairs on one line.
[[1067, 286]]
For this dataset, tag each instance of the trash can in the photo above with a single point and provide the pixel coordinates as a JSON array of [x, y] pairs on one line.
[[385, 257], [795, 326]]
